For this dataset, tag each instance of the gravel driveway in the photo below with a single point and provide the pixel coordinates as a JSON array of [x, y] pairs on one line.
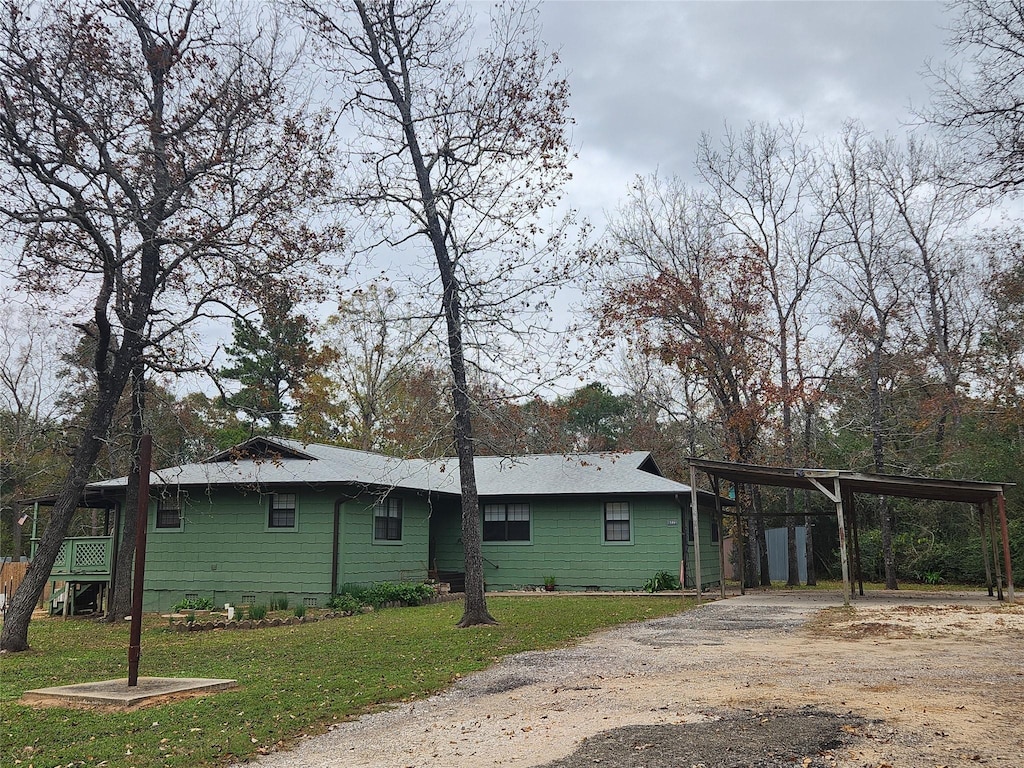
[[907, 679]]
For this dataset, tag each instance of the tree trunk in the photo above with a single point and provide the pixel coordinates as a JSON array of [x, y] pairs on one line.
[[121, 591], [877, 449], [762, 539], [14, 636], [475, 606], [888, 553], [475, 609], [792, 564], [792, 561], [812, 574]]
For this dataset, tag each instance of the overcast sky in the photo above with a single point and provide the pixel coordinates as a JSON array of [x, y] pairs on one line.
[[648, 78]]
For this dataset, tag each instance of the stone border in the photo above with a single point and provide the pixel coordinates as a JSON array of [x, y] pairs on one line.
[[292, 621]]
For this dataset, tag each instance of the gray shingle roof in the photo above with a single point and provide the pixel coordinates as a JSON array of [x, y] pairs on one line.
[[630, 472]]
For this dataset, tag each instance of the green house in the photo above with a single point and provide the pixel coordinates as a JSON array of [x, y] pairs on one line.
[[275, 517]]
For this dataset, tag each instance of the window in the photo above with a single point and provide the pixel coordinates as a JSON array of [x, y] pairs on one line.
[[715, 534], [168, 514], [387, 520], [506, 522], [616, 521], [282, 510]]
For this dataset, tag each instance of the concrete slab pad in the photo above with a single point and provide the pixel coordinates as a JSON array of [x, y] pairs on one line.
[[117, 694]]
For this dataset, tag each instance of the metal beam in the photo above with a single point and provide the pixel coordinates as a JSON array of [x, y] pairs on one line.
[[696, 529]]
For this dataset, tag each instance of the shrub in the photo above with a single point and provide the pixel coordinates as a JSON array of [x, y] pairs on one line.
[[257, 612], [300, 610], [279, 603], [661, 581], [353, 596], [404, 592], [344, 602], [193, 604]]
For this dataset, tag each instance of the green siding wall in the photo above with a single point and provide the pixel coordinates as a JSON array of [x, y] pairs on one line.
[[568, 543], [224, 550], [365, 561]]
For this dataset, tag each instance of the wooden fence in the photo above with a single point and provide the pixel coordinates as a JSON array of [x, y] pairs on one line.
[[11, 575]]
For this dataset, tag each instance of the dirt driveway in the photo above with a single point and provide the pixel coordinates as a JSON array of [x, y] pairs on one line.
[[905, 680]]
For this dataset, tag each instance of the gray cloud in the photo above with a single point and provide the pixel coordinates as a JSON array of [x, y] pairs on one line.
[[648, 78]]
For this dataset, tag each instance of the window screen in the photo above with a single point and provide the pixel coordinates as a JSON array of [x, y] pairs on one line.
[[506, 522], [282, 510], [387, 520], [616, 521]]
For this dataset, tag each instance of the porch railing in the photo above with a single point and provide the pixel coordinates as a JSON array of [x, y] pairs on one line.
[[81, 556]]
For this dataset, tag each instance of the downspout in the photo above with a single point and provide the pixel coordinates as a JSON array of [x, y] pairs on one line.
[[696, 530]]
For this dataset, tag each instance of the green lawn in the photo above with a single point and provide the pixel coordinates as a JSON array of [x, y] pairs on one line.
[[293, 680]]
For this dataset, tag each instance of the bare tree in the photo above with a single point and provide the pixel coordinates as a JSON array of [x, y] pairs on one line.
[[762, 182], [978, 101], [932, 215], [376, 342], [151, 156], [683, 295], [873, 288], [465, 147]]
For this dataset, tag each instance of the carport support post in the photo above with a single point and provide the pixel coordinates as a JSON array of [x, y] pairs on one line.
[[1001, 502], [135, 641], [984, 549], [847, 586], [850, 506], [742, 544], [836, 496], [991, 511], [721, 534], [696, 529]]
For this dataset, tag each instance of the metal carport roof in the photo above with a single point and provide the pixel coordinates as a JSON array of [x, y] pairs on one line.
[[838, 484]]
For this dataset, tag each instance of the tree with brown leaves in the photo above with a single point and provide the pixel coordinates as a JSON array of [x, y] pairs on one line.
[[152, 157]]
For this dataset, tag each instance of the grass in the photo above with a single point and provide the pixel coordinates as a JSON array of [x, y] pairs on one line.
[[294, 680]]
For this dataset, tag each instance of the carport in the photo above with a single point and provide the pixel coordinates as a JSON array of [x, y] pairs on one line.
[[839, 487]]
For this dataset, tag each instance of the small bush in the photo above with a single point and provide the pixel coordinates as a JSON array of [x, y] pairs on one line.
[[193, 604], [352, 596], [386, 592], [661, 581], [344, 602], [300, 610], [257, 612]]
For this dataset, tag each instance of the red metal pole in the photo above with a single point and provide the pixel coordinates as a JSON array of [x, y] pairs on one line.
[[1001, 502], [142, 520]]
